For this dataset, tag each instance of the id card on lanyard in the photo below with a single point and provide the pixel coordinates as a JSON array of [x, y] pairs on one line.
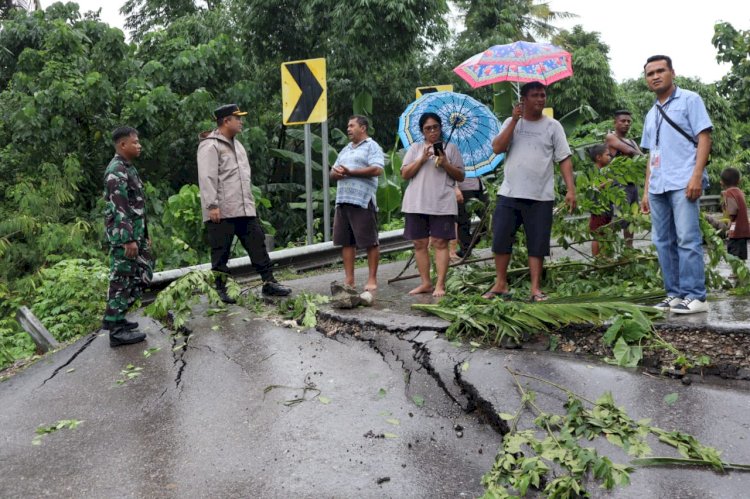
[[654, 159], [655, 155]]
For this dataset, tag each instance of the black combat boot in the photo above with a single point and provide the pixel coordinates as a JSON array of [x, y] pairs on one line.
[[122, 336], [221, 288], [273, 288]]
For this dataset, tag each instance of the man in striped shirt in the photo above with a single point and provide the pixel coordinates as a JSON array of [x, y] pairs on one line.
[[355, 224]]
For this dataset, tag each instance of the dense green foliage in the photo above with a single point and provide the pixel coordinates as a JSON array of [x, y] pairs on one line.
[[71, 297], [69, 301], [67, 79], [733, 46]]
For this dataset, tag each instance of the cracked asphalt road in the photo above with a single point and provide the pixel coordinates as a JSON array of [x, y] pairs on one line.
[[383, 407], [197, 423]]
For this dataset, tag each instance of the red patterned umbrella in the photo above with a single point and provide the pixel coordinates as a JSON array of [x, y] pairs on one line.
[[519, 62]]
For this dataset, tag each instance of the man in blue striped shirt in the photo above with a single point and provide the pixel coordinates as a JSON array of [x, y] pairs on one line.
[[355, 224]]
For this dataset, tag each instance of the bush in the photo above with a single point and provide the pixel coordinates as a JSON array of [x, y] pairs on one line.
[[70, 300]]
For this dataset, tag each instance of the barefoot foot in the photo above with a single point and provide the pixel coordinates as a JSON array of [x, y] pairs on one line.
[[371, 285], [422, 288], [439, 292]]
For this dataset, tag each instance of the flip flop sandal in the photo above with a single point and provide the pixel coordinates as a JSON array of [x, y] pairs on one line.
[[503, 295], [538, 297]]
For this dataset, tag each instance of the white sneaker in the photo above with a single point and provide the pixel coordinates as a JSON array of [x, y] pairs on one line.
[[690, 306], [668, 302]]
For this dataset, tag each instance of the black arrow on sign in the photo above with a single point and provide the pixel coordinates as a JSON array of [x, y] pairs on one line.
[[311, 91]]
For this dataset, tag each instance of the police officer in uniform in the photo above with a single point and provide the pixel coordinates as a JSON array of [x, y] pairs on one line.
[[227, 201]]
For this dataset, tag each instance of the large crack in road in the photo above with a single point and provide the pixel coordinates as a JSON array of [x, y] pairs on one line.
[[78, 352], [414, 356], [178, 354]]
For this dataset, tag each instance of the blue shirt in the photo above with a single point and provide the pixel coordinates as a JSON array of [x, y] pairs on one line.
[[359, 190], [677, 154]]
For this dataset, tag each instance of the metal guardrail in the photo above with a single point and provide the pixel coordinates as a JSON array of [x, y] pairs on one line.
[[712, 201], [321, 254], [302, 258]]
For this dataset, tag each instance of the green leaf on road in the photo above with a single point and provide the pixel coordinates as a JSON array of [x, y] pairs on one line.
[[390, 435], [671, 398], [42, 431], [393, 421], [465, 366], [149, 352], [418, 400], [505, 416], [324, 400], [627, 355], [381, 393]]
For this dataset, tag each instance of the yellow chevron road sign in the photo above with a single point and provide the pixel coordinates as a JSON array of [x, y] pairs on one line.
[[435, 88], [304, 92]]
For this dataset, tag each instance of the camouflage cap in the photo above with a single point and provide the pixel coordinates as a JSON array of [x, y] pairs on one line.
[[228, 110]]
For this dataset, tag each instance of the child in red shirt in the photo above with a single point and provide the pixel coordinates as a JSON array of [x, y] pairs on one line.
[[735, 213], [601, 156]]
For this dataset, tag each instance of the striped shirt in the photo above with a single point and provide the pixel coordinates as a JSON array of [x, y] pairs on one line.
[[359, 191]]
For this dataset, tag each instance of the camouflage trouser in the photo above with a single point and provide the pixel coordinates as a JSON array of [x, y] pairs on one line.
[[127, 280]]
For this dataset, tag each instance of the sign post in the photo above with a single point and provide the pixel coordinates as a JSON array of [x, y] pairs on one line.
[[308, 182], [326, 184], [304, 98]]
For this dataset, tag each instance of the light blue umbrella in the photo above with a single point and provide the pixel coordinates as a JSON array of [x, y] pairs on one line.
[[467, 123]]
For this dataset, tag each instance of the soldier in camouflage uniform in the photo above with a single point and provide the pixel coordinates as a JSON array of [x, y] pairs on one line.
[[130, 261]]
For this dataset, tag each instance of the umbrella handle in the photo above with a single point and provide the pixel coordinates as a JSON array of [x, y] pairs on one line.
[[450, 134]]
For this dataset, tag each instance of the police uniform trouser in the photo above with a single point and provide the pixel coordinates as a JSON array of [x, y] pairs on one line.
[[252, 238], [128, 277]]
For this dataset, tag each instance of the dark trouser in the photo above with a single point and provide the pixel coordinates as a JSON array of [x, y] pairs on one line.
[[464, 220], [127, 279], [252, 238], [738, 248]]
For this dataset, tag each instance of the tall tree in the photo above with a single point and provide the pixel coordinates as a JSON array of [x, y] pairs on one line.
[[371, 46], [733, 46], [592, 83], [56, 111], [142, 16], [503, 21], [72, 81]]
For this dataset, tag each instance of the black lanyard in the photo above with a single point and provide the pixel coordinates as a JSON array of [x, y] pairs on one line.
[[659, 117]]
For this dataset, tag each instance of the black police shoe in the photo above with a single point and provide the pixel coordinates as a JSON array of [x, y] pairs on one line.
[[122, 336], [225, 297], [273, 288], [124, 324]]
